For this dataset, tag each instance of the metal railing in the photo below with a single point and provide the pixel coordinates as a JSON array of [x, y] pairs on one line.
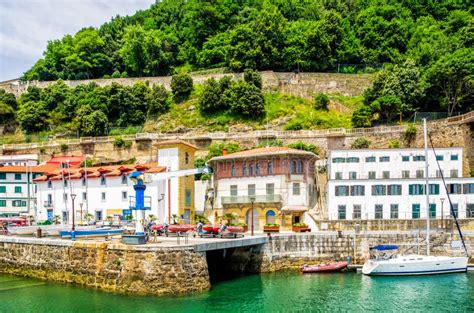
[[248, 199]]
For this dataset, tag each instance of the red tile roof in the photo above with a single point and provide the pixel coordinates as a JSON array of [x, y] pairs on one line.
[[73, 160], [23, 169]]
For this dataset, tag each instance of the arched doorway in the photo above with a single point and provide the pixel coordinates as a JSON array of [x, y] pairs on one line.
[[256, 222], [271, 217]]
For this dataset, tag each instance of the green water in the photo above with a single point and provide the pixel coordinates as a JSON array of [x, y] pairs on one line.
[[280, 292]]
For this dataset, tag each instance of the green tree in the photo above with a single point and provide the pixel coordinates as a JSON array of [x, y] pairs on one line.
[[8, 98], [361, 143], [90, 122], [210, 99], [158, 100], [32, 116], [181, 86], [245, 100], [7, 113], [321, 102], [253, 77]]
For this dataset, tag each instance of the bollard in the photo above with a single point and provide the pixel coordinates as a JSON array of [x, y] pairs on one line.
[[39, 233]]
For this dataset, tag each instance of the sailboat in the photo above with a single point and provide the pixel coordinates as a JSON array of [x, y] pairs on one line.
[[414, 264]]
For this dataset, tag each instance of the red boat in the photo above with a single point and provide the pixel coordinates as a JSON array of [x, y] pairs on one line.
[[211, 229], [328, 267], [235, 229], [181, 228]]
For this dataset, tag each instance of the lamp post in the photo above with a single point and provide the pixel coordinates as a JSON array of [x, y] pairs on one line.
[[73, 196], [252, 200], [442, 213], [81, 204]]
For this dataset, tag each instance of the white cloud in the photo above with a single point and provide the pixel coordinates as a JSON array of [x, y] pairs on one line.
[[27, 25]]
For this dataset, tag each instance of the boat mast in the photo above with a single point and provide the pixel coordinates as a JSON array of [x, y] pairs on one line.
[[427, 189]]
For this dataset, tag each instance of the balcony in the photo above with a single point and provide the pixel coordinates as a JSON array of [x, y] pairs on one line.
[[246, 199]]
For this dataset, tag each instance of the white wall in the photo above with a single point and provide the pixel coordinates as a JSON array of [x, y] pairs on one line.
[[200, 187], [10, 195]]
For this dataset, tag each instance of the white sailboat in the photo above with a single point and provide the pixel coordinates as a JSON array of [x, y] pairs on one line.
[[398, 264]]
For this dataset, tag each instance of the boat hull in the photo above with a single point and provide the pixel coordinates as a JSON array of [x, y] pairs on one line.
[[415, 265], [91, 233], [324, 268]]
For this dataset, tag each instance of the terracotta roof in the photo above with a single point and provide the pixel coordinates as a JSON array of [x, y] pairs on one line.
[[176, 142], [73, 160], [34, 169], [263, 152], [96, 172]]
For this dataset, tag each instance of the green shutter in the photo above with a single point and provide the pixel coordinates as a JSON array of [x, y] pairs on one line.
[[3, 175], [3, 203], [3, 189], [17, 189]]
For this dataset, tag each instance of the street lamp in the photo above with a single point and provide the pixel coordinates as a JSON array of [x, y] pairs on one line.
[[73, 196], [442, 213], [252, 200]]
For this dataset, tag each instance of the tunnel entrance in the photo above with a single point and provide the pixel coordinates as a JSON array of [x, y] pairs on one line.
[[231, 263]]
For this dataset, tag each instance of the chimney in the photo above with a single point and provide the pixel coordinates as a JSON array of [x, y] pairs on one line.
[[224, 151]]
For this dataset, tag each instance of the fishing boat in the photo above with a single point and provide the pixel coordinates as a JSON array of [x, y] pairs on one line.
[[322, 268], [55, 231], [181, 228], [413, 264], [31, 230], [99, 232]]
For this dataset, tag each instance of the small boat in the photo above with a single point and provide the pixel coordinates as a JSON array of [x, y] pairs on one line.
[[320, 268], [235, 229], [31, 230], [99, 232], [181, 228], [54, 231], [211, 229]]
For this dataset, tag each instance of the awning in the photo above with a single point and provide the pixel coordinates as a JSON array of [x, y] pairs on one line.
[[114, 212], [294, 208]]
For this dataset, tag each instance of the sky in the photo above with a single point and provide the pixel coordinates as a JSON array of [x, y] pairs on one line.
[[27, 25]]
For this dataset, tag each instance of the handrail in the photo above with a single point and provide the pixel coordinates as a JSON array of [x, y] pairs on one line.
[[233, 135]]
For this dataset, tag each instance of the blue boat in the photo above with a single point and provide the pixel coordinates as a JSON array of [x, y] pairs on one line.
[[99, 232]]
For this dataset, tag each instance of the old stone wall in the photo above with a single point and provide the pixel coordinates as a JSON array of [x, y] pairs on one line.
[[303, 84], [116, 268]]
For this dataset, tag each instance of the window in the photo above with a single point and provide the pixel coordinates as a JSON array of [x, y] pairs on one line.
[[384, 159], [50, 184], [370, 159], [394, 190], [454, 157], [356, 212], [420, 173], [454, 188], [418, 158], [455, 209], [379, 190], [300, 167], [439, 157], [341, 211], [378, 211], [270, 217], [3, 189], [386, 174], [352, 175], [296, 189], [233, 190], [357, 190], [124, 196], [17, 176], [3, 175], [244, 170], [405, 174], [352, 160], [233, 171], [257, 169], [416, 189], [439, 173], [371, 175], [415, 211], [84, 196], [65, 197], [251, 170], [17, 189], [18, 203], [251, 190], [338, 175], [103, 196], [342, 191], [64, 182], [270, 168], [3, 203], [338, 160], [270, 189], [432, 210], [102, 180], [405, 158], [187, 197], [293, 167], [468, 188], [394, 211], [124, 179], [434, 189], [453, 173], [186, 157], [50, 199], [470, 210]]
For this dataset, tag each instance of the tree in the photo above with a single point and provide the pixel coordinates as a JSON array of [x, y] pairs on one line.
[[158, 100], [321, 102], [90, 122], [363, 117], [8, 98], [32, 116], [388, 107], [253, 77], [361, 143], [181, 86], [245, 100], [210, 99], [7, 113], [452, 79]]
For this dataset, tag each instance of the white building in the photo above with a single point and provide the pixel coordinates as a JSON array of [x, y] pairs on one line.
[[278, 182], [19, 160], [390, 184], [105, 191], [17, 191]]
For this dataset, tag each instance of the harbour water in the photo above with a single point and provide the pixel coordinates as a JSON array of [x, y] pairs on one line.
[[278, 292]]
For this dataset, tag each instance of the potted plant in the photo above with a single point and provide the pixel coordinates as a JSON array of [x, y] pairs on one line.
[[271, 228], [300, 227], [244, 226]]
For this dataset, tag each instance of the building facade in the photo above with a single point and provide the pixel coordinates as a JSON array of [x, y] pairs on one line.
[[390, 184], [19, 160], [277, 182]]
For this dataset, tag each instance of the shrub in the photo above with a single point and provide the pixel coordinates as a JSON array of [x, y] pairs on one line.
[[120, 143], [210, 99], [271, 225], [300, 225], [245, 100], [306, 147], [361, 143], [217, 149], [410, 134], [42, 150], [116, 74], [253, 77], [321, 102], [181, 86], [394, 143], [64, 147]]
